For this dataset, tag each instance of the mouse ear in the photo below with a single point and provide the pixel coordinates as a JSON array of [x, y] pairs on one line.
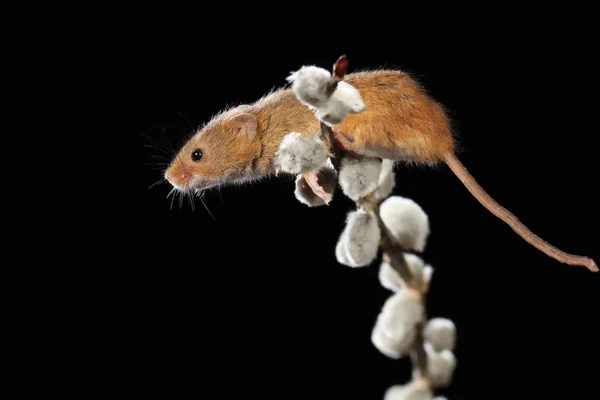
[[244, 123]]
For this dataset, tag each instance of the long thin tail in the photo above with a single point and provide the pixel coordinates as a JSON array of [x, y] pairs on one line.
[[461, 172]]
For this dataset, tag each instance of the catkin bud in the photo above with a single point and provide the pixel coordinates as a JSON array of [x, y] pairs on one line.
[[406, 220], [441, 333], [359, 242], [440, 366], [359, 175], [395, 346], [309, 85], [415, 390], [427, 274], [391, 279], [401, 312], [341, 254], [345, 100], [298, 154], [386, 182]]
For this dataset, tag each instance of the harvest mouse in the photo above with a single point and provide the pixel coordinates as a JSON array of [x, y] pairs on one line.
[[402, 123]]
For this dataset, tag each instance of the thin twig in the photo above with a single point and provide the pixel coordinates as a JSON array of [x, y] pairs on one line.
[[418, 355]]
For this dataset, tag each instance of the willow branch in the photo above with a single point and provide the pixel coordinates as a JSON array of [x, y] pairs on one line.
[[394, 255], [392, 251]]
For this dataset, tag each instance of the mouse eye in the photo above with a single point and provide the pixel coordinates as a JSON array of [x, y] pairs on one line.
[[197, 155]]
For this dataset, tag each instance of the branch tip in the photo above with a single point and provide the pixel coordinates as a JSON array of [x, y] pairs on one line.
[[340, 68]]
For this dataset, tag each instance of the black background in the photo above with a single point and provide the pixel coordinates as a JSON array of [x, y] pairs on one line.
[[248, 300]]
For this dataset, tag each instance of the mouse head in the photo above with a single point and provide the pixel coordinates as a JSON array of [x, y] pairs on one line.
[[219, 153]]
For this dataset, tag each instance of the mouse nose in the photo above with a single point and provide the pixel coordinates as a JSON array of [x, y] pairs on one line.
[[178, 175]]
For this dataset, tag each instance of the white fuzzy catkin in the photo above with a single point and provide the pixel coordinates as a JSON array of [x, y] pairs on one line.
[[340, 250], [358, 176], [406, 220], [387, 180], [427, 274], [309, 84], [390, 279], [414, 390], [441, 333], [440, 366], [401, 312], [345, 100], [328, 181], [350, 96], [396, 346], [297, 154], [360, 238]]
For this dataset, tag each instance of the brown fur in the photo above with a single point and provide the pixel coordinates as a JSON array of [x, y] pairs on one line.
[[401, 123]]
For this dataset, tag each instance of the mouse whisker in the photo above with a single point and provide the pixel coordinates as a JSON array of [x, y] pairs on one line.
[[158, 167], [190, 197], [160, 157], [150, 146], [172, 194], [219, 193], [163, 145], [206, 207], [159, 181], [200, 193], [181, 196], [172, 199], [164, 164]]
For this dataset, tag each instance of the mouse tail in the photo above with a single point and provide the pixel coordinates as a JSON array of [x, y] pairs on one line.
[[471, 184]]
